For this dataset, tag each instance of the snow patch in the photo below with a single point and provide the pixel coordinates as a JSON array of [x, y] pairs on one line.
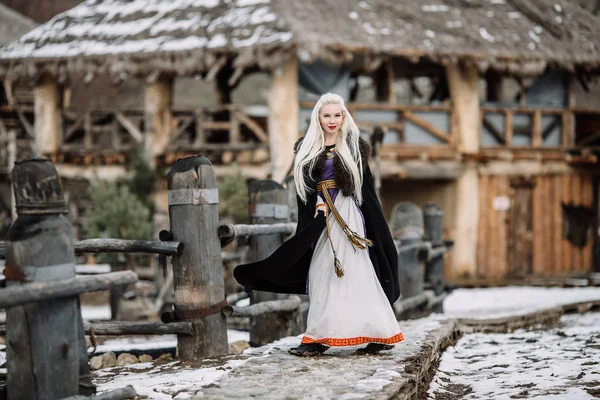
[[435, 8], [486, 35], [557, 8], [514, 14], [353, 15], [429, 33], [534, 37]]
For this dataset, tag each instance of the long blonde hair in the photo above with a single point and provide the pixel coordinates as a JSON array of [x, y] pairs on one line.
[[347, 148]]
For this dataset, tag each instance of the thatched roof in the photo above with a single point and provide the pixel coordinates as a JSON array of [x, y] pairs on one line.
[[189, 36], [13, 25]]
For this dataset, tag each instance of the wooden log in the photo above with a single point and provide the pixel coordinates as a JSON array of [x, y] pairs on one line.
[[127, 246], [463, 82], [46, 356], [197, 271], [235, 297], [130, 127], [240, 230], [42, 291], [128, 392], [282, 100], [267, 204], [536, 129], [138, 328], [291, 304], [47, 115], [428, 126], [508, 127]]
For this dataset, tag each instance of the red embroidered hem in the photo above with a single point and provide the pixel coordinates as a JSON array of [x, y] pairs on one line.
[[355, 341]]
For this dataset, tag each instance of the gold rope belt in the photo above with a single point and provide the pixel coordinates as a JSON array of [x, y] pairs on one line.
[[354, 238]]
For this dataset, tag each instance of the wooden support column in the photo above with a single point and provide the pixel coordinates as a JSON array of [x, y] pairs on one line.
[[157, 114], [283, 118], [463, 82], [268, 205], [197, 271], [48, 119]]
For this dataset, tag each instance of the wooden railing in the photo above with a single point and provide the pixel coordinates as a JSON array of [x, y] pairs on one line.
[[111, 134], [533, 131], [405, 115]]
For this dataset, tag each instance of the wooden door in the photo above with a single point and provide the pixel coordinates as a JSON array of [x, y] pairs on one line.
[[520, 229]]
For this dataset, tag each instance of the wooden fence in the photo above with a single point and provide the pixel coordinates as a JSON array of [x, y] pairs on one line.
[[194, 243]]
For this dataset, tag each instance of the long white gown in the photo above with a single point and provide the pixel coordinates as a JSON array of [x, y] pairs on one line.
[[351, 310]]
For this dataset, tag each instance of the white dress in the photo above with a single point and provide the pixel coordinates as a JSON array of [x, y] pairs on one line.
[[351, 310]]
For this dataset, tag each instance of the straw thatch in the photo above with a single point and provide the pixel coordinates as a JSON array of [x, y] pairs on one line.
[[185, 37], [13, 25]]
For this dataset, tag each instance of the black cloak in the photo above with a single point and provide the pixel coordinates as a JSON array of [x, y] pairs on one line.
[[286, 270]]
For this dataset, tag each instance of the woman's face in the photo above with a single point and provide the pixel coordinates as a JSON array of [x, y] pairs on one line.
[[331, 118]]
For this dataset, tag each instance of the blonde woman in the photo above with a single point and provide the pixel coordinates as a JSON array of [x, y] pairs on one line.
[[343, 254]]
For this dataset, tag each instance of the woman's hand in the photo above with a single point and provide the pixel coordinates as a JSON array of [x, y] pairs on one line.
[[321, 207]]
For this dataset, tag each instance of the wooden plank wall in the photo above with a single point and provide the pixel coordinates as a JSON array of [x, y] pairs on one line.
[[552, 255]]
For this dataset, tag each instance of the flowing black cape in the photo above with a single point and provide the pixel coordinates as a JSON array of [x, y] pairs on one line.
[[286, 270]]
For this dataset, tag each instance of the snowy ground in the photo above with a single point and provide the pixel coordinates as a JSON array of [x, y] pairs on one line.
[[512, 300], [560, 363]]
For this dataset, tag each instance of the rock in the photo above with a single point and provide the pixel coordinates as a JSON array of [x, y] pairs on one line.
[[96, 363], [238, 347], [165, 358], [145, 358], [109, 360], [126, 359]]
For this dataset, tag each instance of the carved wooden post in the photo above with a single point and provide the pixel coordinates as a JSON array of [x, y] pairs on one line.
[[267, 204], [197, 272], [46, 352]]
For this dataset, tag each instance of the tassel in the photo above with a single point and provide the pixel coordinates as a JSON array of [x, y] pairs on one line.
[[339, 271]]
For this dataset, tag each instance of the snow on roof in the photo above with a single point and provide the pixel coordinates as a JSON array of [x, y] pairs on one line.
[[189, 36]]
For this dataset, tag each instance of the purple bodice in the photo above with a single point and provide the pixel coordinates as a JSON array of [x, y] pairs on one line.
[[328, 175]]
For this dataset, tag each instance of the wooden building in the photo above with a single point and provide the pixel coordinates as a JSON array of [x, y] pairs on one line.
[[490, 107]]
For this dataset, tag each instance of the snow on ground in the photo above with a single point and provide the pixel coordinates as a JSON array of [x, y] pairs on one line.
[[560, 363], [512, 300], [156, 342], [270, 372], [89, 313]]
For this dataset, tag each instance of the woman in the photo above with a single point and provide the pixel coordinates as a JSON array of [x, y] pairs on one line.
[[343, 253]]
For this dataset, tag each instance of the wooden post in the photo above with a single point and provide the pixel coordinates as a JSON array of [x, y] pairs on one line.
[[47, 115], [157, 117], [46, 355], [197, 272], [283, 118], [463, 82], [267, 204]]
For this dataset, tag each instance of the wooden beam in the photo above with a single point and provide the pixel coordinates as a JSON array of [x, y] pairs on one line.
[[282, 101], [536, 129], [391, 81], [47, 115], [235, 135], [77, 125], [130, 127], [551, 126], [200, 132], [508, 127], [493, 130], [428, 126], [88, 139], [252, 125]]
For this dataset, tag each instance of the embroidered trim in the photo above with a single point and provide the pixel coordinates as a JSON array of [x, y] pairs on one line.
[[355, 341]]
